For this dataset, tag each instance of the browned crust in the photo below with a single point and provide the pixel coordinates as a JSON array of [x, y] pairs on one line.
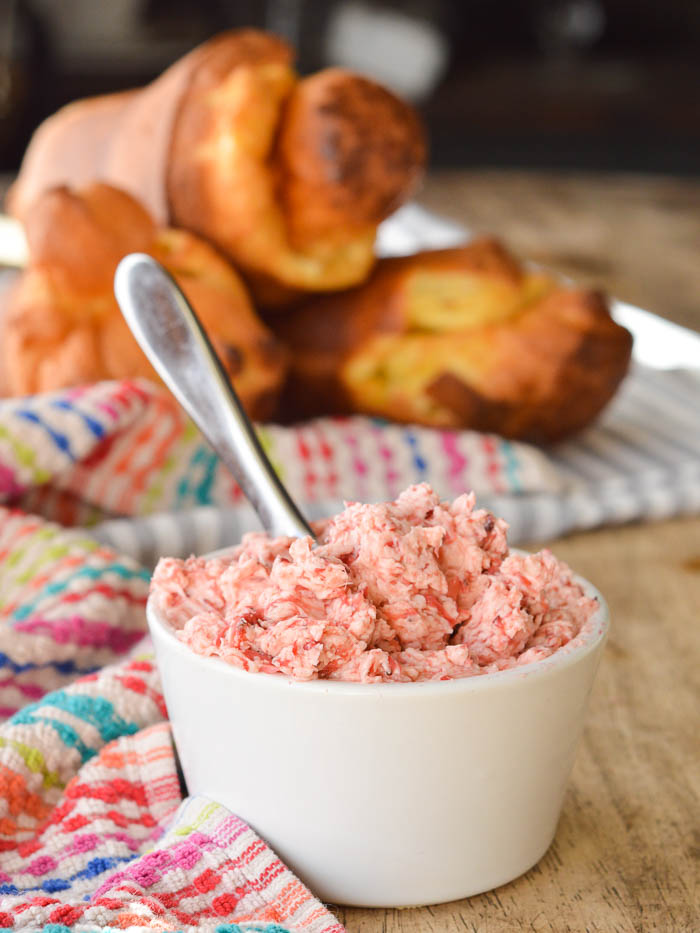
[[79, 238], [560, 365], [62, 325], [302, 215], [545, 373], [350, 153], [336, 324], [288, 178], [125, 139], [188, 194], [68, 148]]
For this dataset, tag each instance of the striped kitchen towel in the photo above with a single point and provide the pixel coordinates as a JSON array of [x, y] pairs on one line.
[[126, 448], [122, 457], [95, 833], [640, 461], [68, 606]]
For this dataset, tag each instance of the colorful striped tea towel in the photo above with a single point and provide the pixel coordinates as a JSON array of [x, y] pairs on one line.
[[94, 831], [95, 834], [126, 449], [640, 461]]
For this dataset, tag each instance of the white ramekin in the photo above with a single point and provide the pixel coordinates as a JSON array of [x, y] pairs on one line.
[[387, 794]]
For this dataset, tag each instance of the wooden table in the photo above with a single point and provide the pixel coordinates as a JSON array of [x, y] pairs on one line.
[[626, 856]]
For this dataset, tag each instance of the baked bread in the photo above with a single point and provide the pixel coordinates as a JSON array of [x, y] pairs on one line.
[[288, 177], [62, 325], [463, 338]]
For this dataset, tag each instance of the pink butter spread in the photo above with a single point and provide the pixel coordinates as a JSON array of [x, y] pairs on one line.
[[415, 589]]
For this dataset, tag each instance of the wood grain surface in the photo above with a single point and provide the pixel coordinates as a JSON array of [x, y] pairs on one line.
[[626, 856]]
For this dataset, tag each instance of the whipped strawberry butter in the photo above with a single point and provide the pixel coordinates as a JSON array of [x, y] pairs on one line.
[[411, 590]]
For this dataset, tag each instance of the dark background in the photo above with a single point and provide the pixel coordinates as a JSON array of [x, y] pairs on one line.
[[588, 84]]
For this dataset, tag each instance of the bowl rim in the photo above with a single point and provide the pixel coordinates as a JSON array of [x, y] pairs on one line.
[[592, 635]]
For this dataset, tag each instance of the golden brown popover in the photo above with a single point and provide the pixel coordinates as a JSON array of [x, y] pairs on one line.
[[461, 337], [288, 177], [62, 326]]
